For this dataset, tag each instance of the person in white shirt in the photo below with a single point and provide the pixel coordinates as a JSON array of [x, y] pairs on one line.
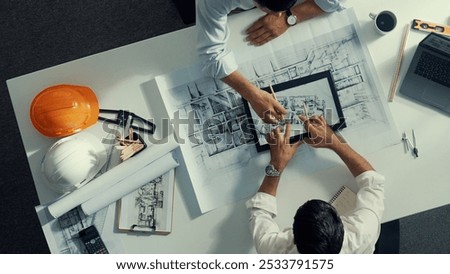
[[218, 60], [317, 228]]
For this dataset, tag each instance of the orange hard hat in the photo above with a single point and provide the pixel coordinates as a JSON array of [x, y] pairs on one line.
[[62, 110]]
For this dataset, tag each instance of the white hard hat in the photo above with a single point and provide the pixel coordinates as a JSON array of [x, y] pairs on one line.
[[73, 161]]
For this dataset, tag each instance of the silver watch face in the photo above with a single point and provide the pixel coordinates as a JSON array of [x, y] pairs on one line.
[[292, 20], [271, 171]]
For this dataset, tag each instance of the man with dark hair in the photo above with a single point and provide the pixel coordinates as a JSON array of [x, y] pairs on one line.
[[218, 60], [317, 227]]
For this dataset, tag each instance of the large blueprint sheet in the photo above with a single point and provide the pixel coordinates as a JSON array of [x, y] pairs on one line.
[[223, 165]]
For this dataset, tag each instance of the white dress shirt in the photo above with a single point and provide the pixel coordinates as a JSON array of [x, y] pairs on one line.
[[213, 32], [361, 227]]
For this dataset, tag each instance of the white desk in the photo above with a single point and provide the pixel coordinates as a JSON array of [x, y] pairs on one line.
[[413, 185]]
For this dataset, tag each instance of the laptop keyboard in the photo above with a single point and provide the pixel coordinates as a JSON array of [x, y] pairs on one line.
[[433, 68]]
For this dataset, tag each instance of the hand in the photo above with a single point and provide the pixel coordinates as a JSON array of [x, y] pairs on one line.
[[267, 28], [281, 150], [267, 107], [262, 102], [320, 134]]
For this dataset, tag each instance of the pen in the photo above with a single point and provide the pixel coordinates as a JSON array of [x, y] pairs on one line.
[[405, 140], [415, 150], [399, 64], [273, 92], [305, 109], [409, 143], [275, 97]]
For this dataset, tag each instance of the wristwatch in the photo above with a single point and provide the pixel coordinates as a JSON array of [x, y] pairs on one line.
[[271, 171], [291, 19]]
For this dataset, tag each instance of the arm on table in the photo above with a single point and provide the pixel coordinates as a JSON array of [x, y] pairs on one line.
[[219, 61], [321, 135], [264, 104], [273, 24], [267, 236], [363, 225]]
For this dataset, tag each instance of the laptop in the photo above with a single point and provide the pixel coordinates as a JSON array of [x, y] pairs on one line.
[[428, 77]]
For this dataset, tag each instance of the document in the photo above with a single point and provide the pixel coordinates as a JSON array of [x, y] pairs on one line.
[[210, 121]]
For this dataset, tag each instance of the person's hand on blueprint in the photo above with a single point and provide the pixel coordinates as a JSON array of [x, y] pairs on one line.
[[322, 136], [281, 150], [319, 132], [275, 23], [267, 107], [263, 103], [267, 28]]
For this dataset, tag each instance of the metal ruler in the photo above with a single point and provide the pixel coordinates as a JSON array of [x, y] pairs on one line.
[[430, 27]]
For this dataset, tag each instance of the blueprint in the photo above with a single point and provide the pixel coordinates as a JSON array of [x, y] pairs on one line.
[[62, 233], [216, 142], [148, 208], [307, 96]]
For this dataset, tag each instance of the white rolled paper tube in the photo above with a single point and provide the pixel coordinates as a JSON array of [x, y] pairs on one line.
[[130, 183], [111, 177]]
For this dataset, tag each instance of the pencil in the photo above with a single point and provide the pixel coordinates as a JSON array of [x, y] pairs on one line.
[[305, 109], [399, 64], [273, 92]]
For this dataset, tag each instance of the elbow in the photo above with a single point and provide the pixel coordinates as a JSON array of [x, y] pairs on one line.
[[329, 5], [217, 65]]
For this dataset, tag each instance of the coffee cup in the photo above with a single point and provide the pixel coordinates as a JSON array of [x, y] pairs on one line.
[[384, 21]]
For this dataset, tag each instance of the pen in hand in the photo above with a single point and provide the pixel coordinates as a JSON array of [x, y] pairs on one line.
[[273, 92]]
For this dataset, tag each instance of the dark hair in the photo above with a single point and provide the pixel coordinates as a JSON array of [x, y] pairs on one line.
[[276, 5], [318, 228]]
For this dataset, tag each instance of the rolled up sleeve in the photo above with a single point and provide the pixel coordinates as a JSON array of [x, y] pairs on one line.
[[217, 59], [371, 192], [329, 5], [266, 234], [362, 227]]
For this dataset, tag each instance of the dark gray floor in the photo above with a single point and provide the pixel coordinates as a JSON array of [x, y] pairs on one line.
[[39, 34], [427, 232]]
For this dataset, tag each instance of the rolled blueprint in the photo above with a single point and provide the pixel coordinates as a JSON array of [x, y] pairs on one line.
[[130, 183], [108, 179]]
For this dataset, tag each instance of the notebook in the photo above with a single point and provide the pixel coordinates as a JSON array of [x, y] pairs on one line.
[[428, 77], [344, 201]]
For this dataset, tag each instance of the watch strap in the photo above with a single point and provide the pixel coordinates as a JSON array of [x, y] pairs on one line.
[[288, 12], [291, 19], [271, 171]]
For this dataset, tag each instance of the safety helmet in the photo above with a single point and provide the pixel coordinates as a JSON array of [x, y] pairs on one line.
[[73, 161], [62, 110]]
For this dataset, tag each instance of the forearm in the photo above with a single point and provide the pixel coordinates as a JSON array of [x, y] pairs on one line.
[[353, 160], [266, 234], [269, 185], [306, 10], [212, 34], [240, 84]]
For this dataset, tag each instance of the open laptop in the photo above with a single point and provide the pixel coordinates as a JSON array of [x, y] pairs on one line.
[[428, 77]]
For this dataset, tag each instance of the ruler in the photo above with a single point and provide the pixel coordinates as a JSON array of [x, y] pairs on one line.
[[430, 27]]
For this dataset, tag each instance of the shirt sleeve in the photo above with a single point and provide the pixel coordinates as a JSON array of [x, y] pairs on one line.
[[370, 195], [363, 226], [329, 5], [266, 234], [217, 59]]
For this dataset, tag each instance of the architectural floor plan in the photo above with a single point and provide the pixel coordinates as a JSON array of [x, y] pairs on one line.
[[62, 233], [148, 208], [219, 149], [314, 94]]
